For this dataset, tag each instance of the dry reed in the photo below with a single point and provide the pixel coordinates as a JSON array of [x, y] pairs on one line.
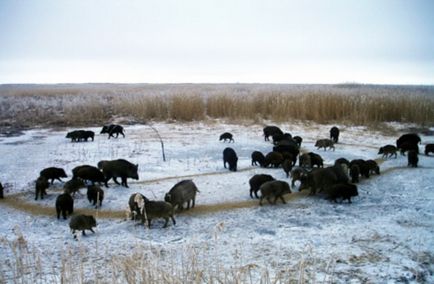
[[91, 105]]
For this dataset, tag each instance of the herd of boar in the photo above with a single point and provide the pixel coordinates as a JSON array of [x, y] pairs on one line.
[[335, 182]]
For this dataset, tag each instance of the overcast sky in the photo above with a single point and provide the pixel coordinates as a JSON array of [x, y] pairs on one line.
[[264, 41]]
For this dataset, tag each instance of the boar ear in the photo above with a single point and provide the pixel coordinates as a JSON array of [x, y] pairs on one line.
[[137, 166]]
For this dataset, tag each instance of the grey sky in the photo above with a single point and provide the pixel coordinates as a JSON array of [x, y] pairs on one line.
[[53, 41]]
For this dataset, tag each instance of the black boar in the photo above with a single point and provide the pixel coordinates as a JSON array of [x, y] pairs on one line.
[[298, 140], [413, 158], [64, 204], [342, 161], [334, 134], [113, 129], [95, 194], [101, 164], [80, 135], [75, 135], [342, 190], [226, 136], [323, 178], [158, 209], [411, 138], [291, 149], [256, 181], [296, 174], [316, 160], [408, 146], [429, 148], [304, 161], [373, 167], [258, 158], [53, 173], [363, 167], [388, 151], [274, 188], [230, 157], [89, 173], [270, 131], [1, 191], [137, 204], [287, 166], [279, 139], [73, 185], [183, 191], [40, 187], [81, 223], [354, 173], [274, 159], [325, 143], [120, 168]]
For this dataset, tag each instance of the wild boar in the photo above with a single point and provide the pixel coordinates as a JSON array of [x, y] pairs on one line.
[[429, 148], [40, 187], [158, 209], [296, 174], [274, 189], [407, 146], [137, 205], [81, 223], [342, 190], [280, 139], [87, 172], [274, 159], [258, 158], [64, 205], [319, 179], [80, 135], [120, 168], [231, 158], [342, 161], [410, 138], [304, 161], [227, 136], [101, 164], [1, 191], [53, 173], [316, 160], [287, 166], [113, 129], [73, 185], [413, 158], [363, 167], [354, 173], [325, 143], [291, 149], [95, 194], [182, 192], [334, 134], [298, 140], [256, 181], [388, 151], [270, 131], [373, 167]]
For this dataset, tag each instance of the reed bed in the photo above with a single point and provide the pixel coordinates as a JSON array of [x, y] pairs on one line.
[[91, 105], [146, 262]]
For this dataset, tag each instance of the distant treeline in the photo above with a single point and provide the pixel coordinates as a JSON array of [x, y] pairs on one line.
[[94, 104]]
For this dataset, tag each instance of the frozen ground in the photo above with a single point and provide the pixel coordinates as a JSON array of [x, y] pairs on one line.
[[386, 235]]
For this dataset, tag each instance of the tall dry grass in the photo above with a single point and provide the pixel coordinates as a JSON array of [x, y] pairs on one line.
[[85, 105], [86, 261]]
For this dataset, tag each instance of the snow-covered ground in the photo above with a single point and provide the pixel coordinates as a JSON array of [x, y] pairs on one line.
[[385, 235]]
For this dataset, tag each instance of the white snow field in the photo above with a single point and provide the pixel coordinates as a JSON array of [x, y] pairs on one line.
[[385, 236]]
